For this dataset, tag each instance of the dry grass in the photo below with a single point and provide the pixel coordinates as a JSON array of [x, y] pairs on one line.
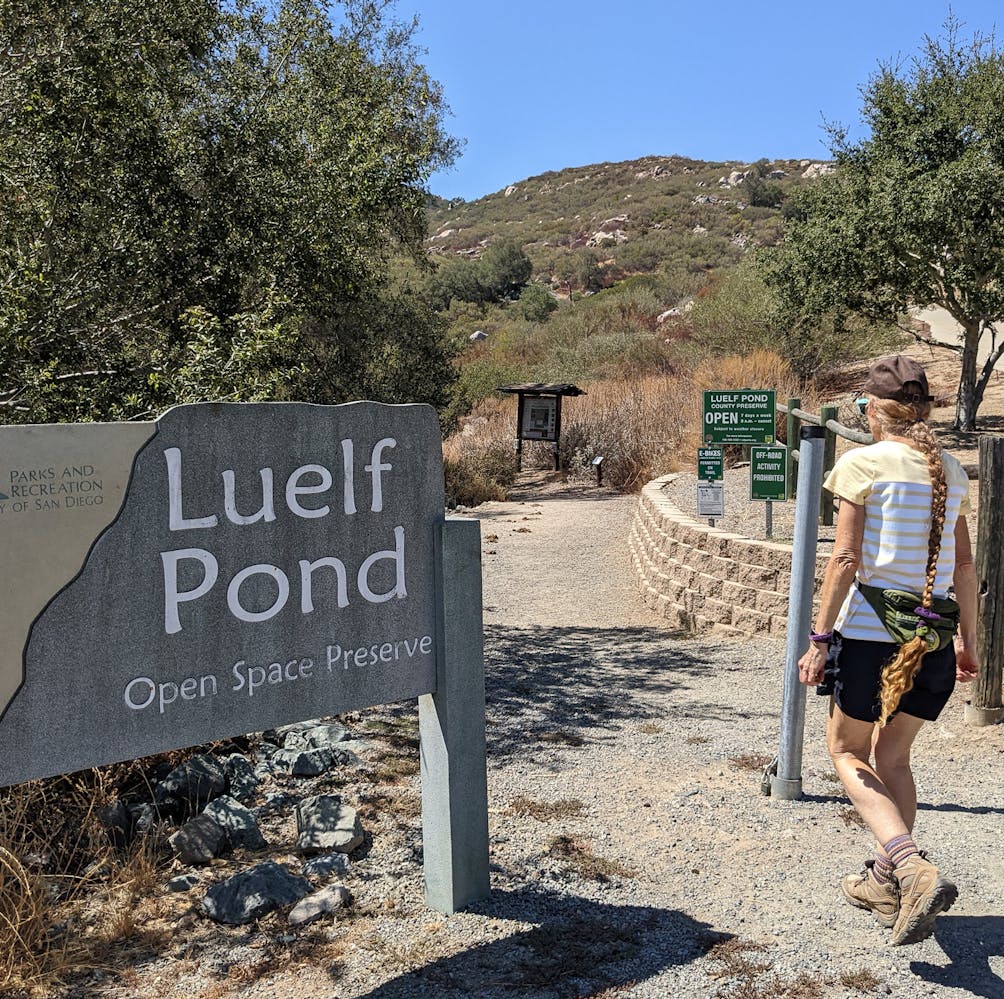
[[641, 427], [696, 740], [579, 854], [861, 980], [545, 811], [734, 953], [562, 737], [750, 983], [402, 806], [649, 728], [479, 461], [750, 761], [69, 899]]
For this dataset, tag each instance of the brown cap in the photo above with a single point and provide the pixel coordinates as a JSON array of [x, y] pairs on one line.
[[900, 378]]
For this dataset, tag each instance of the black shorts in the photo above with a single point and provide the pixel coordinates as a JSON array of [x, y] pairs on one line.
[[854, 675]]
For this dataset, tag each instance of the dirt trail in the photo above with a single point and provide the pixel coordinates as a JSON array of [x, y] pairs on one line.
[[632, 852]]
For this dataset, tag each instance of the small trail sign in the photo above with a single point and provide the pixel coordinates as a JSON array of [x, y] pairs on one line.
[[769, 473], [739, 416], [710, 500], [710, 464]]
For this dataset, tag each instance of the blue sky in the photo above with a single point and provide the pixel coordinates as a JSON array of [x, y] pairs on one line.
[[544, 85]]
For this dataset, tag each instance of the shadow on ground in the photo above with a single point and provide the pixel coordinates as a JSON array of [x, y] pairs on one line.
[[577, 947], [969, 943], [557, 681]]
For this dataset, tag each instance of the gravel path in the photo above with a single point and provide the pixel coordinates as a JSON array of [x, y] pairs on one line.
[[632, 851]]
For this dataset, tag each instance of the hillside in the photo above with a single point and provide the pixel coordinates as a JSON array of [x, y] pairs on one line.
[[638, 216], [631, 280]]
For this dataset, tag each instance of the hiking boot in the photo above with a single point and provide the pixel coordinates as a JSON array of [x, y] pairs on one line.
[[923, 894], [863, 891]]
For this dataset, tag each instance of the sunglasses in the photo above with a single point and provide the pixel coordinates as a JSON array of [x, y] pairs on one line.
[[862, 404]]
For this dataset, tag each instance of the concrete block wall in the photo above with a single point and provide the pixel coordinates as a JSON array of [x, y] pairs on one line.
[[703, 579]]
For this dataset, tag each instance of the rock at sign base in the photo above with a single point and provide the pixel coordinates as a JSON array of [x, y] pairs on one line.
[[325, 825], [237, 821], [319, 904], [198, 840], [326, 865], [253, 893], [196, 781]]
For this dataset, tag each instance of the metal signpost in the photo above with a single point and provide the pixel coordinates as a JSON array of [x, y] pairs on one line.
[[769, 478], [787, 784], [739, 416]]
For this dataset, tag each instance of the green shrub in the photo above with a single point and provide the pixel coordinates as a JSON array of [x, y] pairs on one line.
[[479, 470], [535, 303]]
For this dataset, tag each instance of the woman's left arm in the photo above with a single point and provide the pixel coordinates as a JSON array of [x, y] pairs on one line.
[[964, 581]]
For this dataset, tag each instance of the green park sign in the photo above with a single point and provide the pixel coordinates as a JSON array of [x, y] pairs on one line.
[[739, 416], [769, 473], [710, 464]]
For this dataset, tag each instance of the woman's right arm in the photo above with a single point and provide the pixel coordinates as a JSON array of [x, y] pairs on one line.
[[840, 573], [964, 580]]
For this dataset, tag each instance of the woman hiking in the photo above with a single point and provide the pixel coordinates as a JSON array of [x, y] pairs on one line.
[[889, 658]]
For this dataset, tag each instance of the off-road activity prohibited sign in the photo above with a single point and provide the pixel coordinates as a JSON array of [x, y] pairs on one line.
[[769, 473], [739, 416]]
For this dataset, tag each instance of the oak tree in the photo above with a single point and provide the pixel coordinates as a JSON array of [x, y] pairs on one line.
[[913, 215], [199, 199]]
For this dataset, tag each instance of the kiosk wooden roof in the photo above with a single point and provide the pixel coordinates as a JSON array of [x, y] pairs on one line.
[[539, 388]]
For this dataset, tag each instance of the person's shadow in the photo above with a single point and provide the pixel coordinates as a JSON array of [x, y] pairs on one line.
[[577, 947], [969, 942]]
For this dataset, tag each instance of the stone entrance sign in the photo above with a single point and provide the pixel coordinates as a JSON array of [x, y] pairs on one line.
[[226, 569]]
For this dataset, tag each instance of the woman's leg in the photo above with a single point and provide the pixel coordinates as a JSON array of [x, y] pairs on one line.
[[892, 763], [850, 744]]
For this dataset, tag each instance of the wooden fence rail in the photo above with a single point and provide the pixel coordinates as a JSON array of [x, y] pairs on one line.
[[827, 418]]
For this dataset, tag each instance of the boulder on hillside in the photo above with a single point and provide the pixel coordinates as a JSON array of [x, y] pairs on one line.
[[818, 170]]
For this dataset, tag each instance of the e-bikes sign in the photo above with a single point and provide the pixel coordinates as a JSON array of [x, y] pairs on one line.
[[226, 569]]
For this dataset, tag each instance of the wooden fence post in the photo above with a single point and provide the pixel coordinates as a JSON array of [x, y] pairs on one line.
[[791, 435], [827, 413], [986, 707]]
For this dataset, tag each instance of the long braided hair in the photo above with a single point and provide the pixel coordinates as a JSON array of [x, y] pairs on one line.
[[898, 419]]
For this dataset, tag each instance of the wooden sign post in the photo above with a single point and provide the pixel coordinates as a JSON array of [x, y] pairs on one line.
[[986, 706]]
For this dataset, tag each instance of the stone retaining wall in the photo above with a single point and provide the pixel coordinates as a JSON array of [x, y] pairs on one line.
[[704, 579]]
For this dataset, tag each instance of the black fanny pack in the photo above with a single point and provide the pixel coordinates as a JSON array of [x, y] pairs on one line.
[[904, 617]]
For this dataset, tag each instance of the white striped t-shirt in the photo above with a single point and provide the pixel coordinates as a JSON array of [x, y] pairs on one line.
[[893, 483]]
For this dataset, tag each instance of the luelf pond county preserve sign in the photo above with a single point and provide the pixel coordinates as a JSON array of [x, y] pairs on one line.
[[223, 570]]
